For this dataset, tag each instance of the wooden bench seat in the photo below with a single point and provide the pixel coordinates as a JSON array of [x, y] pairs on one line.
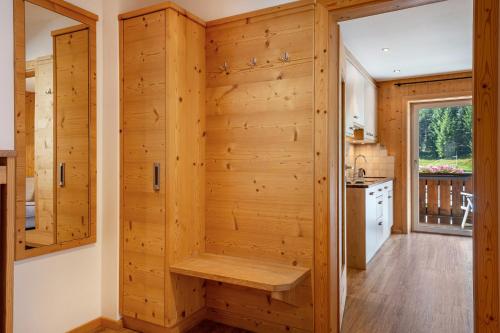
[[243, 272]]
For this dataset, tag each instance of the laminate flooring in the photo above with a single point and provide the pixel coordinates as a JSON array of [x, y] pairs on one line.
[[417, 283]]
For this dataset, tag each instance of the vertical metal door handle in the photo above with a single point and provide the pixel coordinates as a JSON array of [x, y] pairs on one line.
[[62, 174], [156, 177]]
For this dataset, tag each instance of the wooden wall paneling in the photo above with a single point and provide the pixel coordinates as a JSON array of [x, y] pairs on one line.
[[30, 134], [185, 100], [44, 148], [393, 115], [486, 107], [253, 310], [144, 123], [259, 177], [71, 70]]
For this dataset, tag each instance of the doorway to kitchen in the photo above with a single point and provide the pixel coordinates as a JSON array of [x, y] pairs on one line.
[[441, 168]]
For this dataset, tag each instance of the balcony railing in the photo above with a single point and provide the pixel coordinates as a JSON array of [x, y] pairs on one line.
[[440, 197]]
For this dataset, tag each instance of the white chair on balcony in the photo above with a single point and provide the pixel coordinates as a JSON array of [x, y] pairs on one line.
[[468, 208]]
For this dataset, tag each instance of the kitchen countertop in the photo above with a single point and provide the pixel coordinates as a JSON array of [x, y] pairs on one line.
[[369, 182]]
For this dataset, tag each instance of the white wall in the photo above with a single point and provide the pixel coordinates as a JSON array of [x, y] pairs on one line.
[[56, 292], [7, 81]]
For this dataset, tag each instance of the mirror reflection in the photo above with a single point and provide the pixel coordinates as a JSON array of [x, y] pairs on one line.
[[56, 128]]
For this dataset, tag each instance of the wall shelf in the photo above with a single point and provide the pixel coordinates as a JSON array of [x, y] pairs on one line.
[[243, 272]]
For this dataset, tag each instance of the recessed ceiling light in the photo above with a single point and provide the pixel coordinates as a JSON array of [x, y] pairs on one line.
[[397, 71], [385, 49]]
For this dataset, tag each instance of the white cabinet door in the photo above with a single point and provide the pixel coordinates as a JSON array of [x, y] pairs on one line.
[[354, 98], [390, 208], [370, 105], [372, 240]]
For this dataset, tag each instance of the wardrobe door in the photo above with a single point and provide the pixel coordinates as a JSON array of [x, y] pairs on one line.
[[71, 61], [143, 167]]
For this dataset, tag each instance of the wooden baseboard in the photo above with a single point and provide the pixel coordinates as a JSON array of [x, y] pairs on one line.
[[96, 324], [182, 326], [111, 323]]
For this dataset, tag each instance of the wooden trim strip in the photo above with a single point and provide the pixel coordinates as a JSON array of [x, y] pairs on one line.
[[398, 84], [261, 12], [96, 324], [67, 9], [68, 30], [351, 9], [3, 175], [325, 261], [162, 6], [7, 153], [486, 107], [7, 223]]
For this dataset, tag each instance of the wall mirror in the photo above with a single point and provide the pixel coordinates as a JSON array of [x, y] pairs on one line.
[[55, 126]]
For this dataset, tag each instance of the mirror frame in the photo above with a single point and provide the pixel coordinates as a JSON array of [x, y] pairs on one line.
[[85, 17]]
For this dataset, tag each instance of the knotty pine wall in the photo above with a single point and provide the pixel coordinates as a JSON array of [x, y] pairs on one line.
[[259, 160], [393, 129]]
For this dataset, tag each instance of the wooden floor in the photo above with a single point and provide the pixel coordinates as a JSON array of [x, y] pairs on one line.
[[418, 283], [204, 327]]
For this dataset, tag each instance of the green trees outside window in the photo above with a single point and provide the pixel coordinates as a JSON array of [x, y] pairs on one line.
[[445, 137]]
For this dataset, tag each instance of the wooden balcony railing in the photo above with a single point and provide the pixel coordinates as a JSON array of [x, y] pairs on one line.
[[440, 194]]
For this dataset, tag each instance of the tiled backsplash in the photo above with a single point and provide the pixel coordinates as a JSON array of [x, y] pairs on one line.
[[378, 164]]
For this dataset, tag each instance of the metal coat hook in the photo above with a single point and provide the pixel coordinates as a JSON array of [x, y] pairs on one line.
[[224, 67], [253, 62], [285, 57]]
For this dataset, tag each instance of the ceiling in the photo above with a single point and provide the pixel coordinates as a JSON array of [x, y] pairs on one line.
[[425, 40]]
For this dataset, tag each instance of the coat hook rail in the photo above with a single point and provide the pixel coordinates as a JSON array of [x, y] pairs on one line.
[[224, 67], [285, 57]]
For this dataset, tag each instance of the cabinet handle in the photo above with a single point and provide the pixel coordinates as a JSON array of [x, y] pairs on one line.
[[355, 117], [390, 197], [380, 202], [156, 177], [62, 174], [372, 193], [380, 223], [380, 190], [385, 187]]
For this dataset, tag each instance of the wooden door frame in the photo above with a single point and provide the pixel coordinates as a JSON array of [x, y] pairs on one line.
[[89, 19], [327, 178]]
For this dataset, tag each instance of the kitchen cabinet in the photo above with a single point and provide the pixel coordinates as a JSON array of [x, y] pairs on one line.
[[370, 100], [355, 103], [360, 101], [369, 220]]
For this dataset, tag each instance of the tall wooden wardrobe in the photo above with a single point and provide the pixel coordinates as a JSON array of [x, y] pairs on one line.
[[162, 165], [218, 187]]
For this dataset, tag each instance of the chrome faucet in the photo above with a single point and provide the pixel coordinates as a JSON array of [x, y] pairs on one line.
[[357, 173]]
